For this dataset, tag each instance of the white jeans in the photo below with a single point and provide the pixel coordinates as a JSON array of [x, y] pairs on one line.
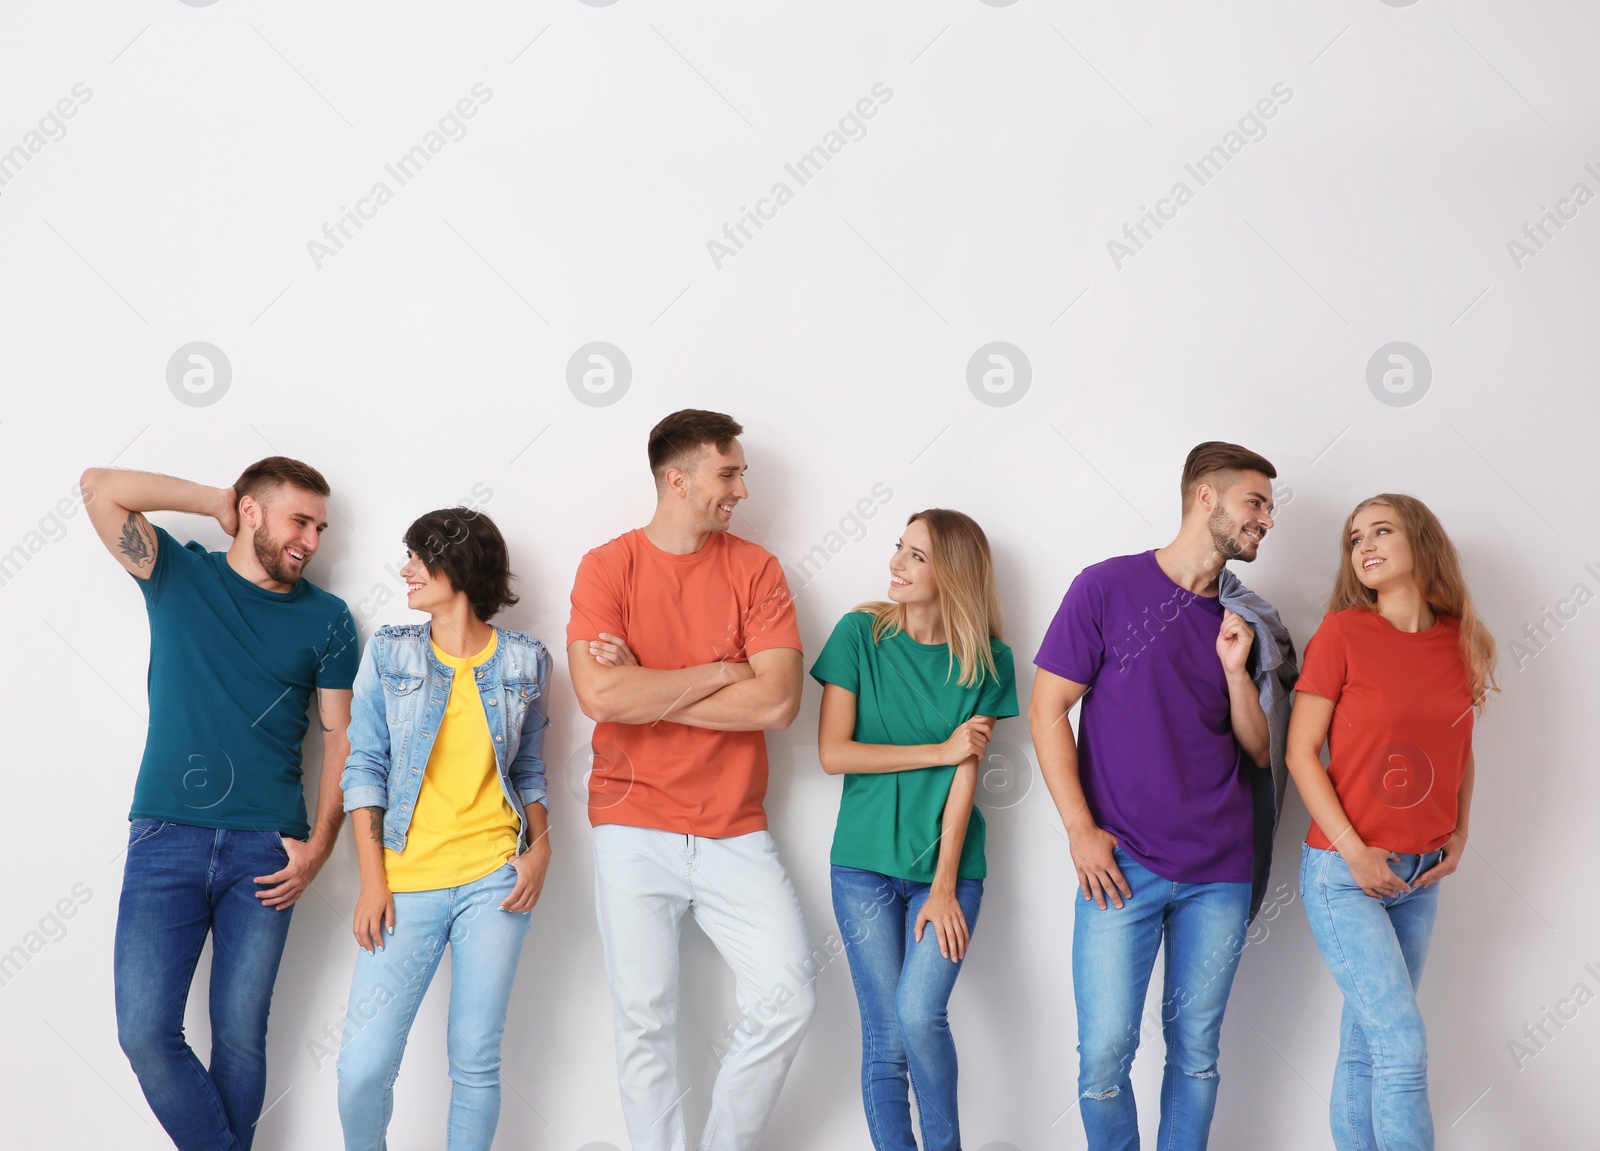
[[740, 895]]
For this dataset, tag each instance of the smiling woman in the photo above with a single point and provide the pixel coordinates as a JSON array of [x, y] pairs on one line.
[[1405, 660], [912, 686], [446, 781]]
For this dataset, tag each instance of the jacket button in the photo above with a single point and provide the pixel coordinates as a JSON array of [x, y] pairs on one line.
[[494, 703], [497, 739]]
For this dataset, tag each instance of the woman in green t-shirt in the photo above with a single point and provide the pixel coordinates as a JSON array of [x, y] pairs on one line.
[[911, 690]]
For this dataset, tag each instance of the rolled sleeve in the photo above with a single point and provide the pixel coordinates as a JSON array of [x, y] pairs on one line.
[[365, 779], [528, 768]]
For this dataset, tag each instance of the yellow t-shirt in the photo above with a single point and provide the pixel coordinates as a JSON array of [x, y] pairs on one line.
[[462, 828]]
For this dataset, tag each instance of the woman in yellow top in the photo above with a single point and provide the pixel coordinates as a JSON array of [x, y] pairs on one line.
[[447, 786]]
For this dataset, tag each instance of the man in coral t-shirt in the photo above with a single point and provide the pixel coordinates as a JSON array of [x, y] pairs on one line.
[[684, 650]]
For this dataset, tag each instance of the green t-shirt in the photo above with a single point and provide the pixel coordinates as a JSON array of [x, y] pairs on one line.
[[906, 693]]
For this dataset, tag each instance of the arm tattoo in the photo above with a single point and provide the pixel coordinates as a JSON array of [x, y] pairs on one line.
[[376, 826], [133, 543]]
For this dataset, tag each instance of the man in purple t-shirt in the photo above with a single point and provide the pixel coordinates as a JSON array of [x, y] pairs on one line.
[[1155, 793]]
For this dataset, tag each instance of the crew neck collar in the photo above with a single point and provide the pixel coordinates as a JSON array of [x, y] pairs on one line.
[[686, 557]]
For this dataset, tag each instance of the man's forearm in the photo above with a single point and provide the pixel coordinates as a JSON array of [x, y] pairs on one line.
[[1249, 720], [644, 695], [1058, 764], [330, 797], [752, 705], [152, 492]]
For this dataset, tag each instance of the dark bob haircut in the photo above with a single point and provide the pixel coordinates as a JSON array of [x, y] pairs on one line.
[[465, 547]]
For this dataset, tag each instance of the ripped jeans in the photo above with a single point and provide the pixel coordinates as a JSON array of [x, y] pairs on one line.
[[1113, 955]]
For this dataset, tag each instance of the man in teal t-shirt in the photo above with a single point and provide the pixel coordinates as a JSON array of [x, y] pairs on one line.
[[219, 843]]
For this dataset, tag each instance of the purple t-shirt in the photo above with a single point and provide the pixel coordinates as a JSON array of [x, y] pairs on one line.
[[1156, 754]]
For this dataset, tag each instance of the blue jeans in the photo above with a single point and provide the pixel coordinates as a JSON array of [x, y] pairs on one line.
[[1375, 949], [1113, 955], [903, 988], [179, 884], [485, 944]]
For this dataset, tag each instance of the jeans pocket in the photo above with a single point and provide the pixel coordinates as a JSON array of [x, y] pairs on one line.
[[1324, 868], [1336, 874], [144, 830]]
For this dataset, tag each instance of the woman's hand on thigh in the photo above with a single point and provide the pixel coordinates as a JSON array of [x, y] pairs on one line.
[[374, 913], [531, 866], [942, 910]]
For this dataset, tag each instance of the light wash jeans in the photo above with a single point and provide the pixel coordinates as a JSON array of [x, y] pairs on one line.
[[485, 943], [1113, 955], [903, 988], [740, 895], [1375, 949]]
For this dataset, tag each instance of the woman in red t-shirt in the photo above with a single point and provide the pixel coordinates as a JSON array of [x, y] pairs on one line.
[[1391, 682]]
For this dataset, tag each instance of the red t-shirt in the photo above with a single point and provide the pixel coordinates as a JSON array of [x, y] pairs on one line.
[[1401, 729], [729, 600]]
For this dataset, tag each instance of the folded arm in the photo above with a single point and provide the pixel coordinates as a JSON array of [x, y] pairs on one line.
[[628, 693], [766, 701], [842, 754]]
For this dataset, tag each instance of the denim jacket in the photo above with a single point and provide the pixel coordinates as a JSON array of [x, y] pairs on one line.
[[1273, 670], [400, 694]]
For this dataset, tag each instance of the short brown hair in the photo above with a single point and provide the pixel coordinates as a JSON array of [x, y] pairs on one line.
[[675, 439], [1219, 463], [262, 476]]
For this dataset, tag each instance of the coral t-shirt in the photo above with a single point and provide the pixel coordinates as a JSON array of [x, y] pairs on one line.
[[729, 600], [1401, 729]]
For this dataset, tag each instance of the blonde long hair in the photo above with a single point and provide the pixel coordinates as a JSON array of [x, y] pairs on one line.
[[967, 600], [1438, 572]]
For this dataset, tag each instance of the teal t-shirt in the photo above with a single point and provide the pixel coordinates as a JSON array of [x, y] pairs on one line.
[[906, 693], [232, 668]]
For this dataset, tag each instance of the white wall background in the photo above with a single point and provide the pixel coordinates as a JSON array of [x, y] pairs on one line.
[[426, 362]]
